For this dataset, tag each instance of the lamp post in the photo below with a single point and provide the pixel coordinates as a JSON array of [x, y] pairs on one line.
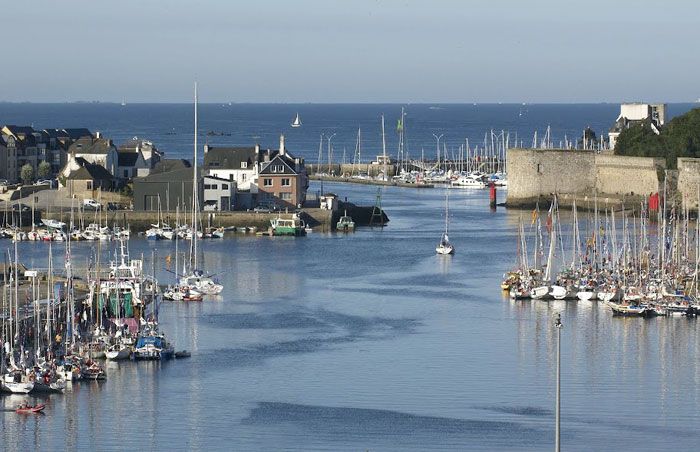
[[437, 144], [557, 412], [329, 153]]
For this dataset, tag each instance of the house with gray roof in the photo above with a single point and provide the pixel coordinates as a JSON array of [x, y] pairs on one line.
[[96, 150]]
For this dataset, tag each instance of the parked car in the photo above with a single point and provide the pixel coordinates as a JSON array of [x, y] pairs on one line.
[[19, 207], [91, 204], [262, 209], [48, 182]]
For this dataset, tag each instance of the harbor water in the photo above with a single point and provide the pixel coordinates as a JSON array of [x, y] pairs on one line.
[[371, 341]]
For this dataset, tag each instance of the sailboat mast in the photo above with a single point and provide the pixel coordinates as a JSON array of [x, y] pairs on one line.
[[195, 188], [386, 177]]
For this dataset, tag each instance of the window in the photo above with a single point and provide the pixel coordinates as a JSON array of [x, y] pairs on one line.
[[280, 168], [267, 182], [215, 187], [126, 173], [244, 164], [89, 185], [286, 196], [207, 187], [244, 177], [224, 186], [285, 182], [539, 168]]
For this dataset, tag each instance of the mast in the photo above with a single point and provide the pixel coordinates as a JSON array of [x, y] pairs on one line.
[[386, 177], [195, 187]]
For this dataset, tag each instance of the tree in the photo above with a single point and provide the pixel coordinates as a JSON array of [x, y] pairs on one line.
[[679, 138], [44, 170], [26, 173]]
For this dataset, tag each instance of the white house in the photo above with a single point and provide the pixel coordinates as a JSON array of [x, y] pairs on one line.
[[218, 194], [635, 113], [237, 164], [97, 150]]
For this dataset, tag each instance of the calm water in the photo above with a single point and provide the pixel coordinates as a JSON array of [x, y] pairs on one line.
[[170, 126], [369, 341]]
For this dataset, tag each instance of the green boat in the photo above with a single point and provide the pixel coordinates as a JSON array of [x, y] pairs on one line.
[[293, 226], [345, 224]]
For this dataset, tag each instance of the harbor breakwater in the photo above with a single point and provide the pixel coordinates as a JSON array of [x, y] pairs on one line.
[[319, 219]]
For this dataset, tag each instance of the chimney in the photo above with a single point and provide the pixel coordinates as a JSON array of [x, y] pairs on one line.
[[98, 135], [257, 151], [206, 148], [282, 152]]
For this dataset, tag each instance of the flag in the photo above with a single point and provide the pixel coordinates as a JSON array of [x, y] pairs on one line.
[[549, 218]]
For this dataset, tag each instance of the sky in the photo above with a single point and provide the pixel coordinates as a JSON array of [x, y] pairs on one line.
[[369, 51]]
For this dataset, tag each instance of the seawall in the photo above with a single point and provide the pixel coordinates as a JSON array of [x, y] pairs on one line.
[[535, 174]]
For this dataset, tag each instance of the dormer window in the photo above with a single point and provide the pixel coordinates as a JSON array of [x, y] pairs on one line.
[[244, 164]]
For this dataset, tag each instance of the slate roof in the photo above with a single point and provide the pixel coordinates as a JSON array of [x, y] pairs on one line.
[[177, 176], [90, 172], [275, 160], [20, 130], [77, 133], [166, 165], [127, 158], [90, 145], [228, 157]]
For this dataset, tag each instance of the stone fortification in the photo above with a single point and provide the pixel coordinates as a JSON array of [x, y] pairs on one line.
[[689, 181], [534, 174]]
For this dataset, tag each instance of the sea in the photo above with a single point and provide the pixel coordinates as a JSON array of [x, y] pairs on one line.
[[368, 340]]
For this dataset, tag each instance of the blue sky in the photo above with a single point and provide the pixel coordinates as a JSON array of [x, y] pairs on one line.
[[351, 51]]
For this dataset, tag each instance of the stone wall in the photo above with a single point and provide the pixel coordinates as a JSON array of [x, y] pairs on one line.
[[534, 174], [689, 181], [619, 175]]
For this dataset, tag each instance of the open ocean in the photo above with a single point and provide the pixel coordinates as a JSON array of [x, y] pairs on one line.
[[170, 126], [369, 341]]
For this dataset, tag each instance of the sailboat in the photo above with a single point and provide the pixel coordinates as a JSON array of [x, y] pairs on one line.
[[297, 121], [445, 247], [196, 279]]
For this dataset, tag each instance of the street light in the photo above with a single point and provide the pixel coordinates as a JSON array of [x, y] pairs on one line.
[[557, 422], [437, 144], [329, 153]]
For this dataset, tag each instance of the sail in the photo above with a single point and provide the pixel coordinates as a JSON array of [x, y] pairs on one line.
[[297, 121]]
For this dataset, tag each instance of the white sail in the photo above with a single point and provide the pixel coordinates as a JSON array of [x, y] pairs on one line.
[[297, 121]]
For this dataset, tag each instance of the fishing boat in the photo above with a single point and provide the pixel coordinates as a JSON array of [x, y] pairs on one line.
[[118, 352], [152, 345], [345, 223], [292, 226], [297, 121], [445, 247]]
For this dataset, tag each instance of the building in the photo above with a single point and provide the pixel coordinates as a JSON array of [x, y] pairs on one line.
[[218, 194], [150, 154], [237, 164], [285, 180], [637, 113], [131, 164], [96, 150], [87, 180], [23, 145], [282, 180], [166, 190]]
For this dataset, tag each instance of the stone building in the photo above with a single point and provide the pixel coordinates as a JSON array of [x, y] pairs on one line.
[[97, 150]]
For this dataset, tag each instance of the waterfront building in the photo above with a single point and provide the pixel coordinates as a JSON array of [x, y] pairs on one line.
[[218, 194], [261, 176], [131, 164], [150, 154], [84, 179], [96, 150], [637, 113]]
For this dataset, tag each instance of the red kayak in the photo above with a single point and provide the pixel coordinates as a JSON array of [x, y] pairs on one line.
[[31, 409]]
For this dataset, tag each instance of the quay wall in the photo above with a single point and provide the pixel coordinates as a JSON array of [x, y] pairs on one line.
[[535, 174], [348, 169], [689, 181]]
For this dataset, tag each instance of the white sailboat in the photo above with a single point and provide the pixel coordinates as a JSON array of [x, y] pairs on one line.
[[445, 247], [297, 121], [196, 279]]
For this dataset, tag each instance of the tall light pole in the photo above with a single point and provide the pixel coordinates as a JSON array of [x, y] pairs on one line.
[[329, 153], [437, 144], [557, 412]]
